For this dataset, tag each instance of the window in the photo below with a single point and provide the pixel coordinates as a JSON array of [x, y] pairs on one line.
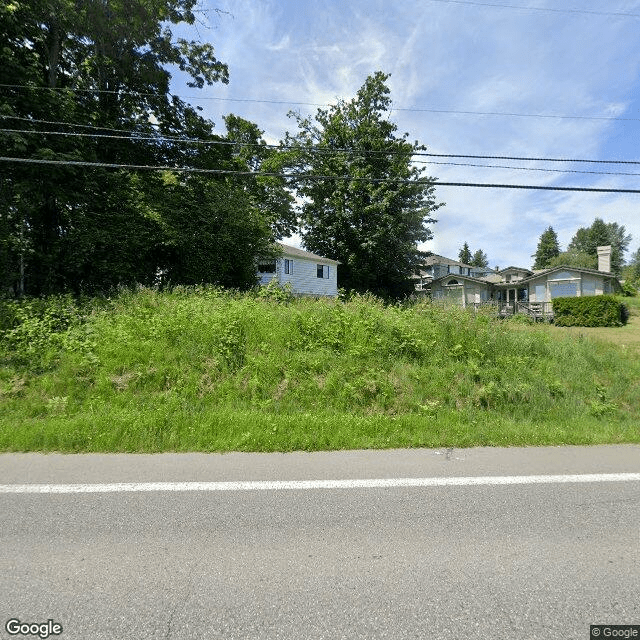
[[588, 287], [323, 271], [267, 267], [288, 266], [563, 289]]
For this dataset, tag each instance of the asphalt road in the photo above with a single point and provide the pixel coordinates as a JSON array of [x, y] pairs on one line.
[[530, 561]]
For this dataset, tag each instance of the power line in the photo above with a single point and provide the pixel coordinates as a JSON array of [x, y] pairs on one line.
[[158, 95], [413, 109], [534, 187], [134, 136], [68, 124], [544, 9], [497, 166], [528, 159], [428, 181], [293, 176], [555, 116]]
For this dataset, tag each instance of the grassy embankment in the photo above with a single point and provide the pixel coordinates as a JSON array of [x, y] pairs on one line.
[[210, 371]]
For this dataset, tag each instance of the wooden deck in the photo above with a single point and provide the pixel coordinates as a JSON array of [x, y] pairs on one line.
[[539, 311]]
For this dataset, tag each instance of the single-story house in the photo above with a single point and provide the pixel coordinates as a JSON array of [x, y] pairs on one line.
[[308, 273], [517, 289]]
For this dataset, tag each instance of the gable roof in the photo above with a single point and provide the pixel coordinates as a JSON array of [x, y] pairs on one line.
[[565, 267], [490, 279], [434, 258], [459, 276], [294, 252], [515, 269]]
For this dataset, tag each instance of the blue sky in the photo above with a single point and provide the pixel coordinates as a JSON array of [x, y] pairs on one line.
[[446, 55]]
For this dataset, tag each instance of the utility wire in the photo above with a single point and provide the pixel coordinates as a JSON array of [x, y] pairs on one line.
[[512, 114], [69, 124], [498, 166], [545, 9], [427, 181], [413, 109], [134, 136]]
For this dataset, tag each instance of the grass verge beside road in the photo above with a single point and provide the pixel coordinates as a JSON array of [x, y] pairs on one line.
[[205, 370]]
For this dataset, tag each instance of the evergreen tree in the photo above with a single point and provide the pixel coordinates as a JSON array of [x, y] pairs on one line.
[[548, 249], [479, 259], [464, 255]]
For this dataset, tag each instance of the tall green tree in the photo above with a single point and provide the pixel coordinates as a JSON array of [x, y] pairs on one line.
[[548, 249], [479, 259], [573, 258], [105, 64], [600, 233], [632, 271], [363, 202], [464, 255], [212, 232], [268, 193]]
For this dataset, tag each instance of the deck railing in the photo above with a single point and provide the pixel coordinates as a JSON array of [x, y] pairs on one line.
[[535, 310]]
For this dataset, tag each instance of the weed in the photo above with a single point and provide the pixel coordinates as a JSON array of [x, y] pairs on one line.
[[206, 369]]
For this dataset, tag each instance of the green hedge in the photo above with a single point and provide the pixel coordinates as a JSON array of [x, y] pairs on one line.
[[589, 311]]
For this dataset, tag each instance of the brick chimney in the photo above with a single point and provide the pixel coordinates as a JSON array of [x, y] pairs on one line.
[[604, 259]]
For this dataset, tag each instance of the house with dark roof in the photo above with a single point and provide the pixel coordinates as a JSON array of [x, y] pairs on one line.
[[515, 289], [306, 272]]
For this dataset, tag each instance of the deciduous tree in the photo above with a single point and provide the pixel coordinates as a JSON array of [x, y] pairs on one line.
[[363, 202], [600, 233], [102, 68], [268, 193]]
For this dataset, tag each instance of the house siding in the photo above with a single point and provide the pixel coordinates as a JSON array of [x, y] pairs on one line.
[[567, 283], [303, 276], [467, 292], [516, 284]]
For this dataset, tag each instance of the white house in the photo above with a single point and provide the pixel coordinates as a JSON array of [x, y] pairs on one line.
[[308, 273]]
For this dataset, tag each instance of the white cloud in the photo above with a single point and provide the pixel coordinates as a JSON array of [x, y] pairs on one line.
[[448, 57]]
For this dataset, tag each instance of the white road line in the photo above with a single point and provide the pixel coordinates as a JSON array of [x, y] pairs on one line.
[[279, 485]]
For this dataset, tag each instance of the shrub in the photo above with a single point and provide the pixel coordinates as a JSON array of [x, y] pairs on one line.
[[630, 289], [589, 311], [35, 331]]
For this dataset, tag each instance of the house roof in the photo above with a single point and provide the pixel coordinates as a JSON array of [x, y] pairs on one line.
[[490, 279], [288, 250], [459, 276], [434, 258], [515, 269], [565, 267]]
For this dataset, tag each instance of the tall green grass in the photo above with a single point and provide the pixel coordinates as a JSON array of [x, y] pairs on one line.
[[204, 369]]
